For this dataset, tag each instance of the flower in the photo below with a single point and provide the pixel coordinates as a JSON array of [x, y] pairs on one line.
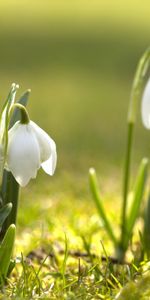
[[29, 148], [146, 105]]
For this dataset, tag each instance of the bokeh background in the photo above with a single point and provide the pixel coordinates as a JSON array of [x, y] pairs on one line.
[[79, 58]]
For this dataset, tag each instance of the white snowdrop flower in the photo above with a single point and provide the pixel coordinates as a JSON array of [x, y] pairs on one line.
[[29, 148], [146, 105]]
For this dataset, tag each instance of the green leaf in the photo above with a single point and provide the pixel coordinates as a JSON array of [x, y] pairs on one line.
[[4, 212], [6, 249], [137, 198], [99, 205]]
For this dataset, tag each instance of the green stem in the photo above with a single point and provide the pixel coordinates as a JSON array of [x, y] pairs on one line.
[[126, 177], [24, 118], [10, 193]]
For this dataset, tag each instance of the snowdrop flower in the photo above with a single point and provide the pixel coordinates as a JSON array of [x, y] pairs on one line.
[[29, 148], [146, 105]]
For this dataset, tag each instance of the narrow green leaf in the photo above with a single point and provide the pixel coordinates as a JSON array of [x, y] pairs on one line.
[[9, 101], [4, 212], [5, 111], [4, 120], [99, 205], [137, 198], [6, 249]]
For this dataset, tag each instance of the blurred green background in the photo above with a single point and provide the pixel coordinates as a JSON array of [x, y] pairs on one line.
[[78, 58]]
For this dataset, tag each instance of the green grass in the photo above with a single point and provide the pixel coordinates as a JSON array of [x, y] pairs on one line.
[[46, 222], [79, 59]]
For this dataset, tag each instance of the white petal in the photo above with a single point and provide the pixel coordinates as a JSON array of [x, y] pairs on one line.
[[23, 155], [50, 165], [146, 105], [47, 146]]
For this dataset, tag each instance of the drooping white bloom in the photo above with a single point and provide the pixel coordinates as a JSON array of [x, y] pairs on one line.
[[29, 148], [146, 105]]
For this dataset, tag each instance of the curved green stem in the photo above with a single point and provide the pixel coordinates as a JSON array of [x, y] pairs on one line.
[[24, 114]]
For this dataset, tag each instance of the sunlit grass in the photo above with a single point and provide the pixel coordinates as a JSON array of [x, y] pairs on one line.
[[43, 222]]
